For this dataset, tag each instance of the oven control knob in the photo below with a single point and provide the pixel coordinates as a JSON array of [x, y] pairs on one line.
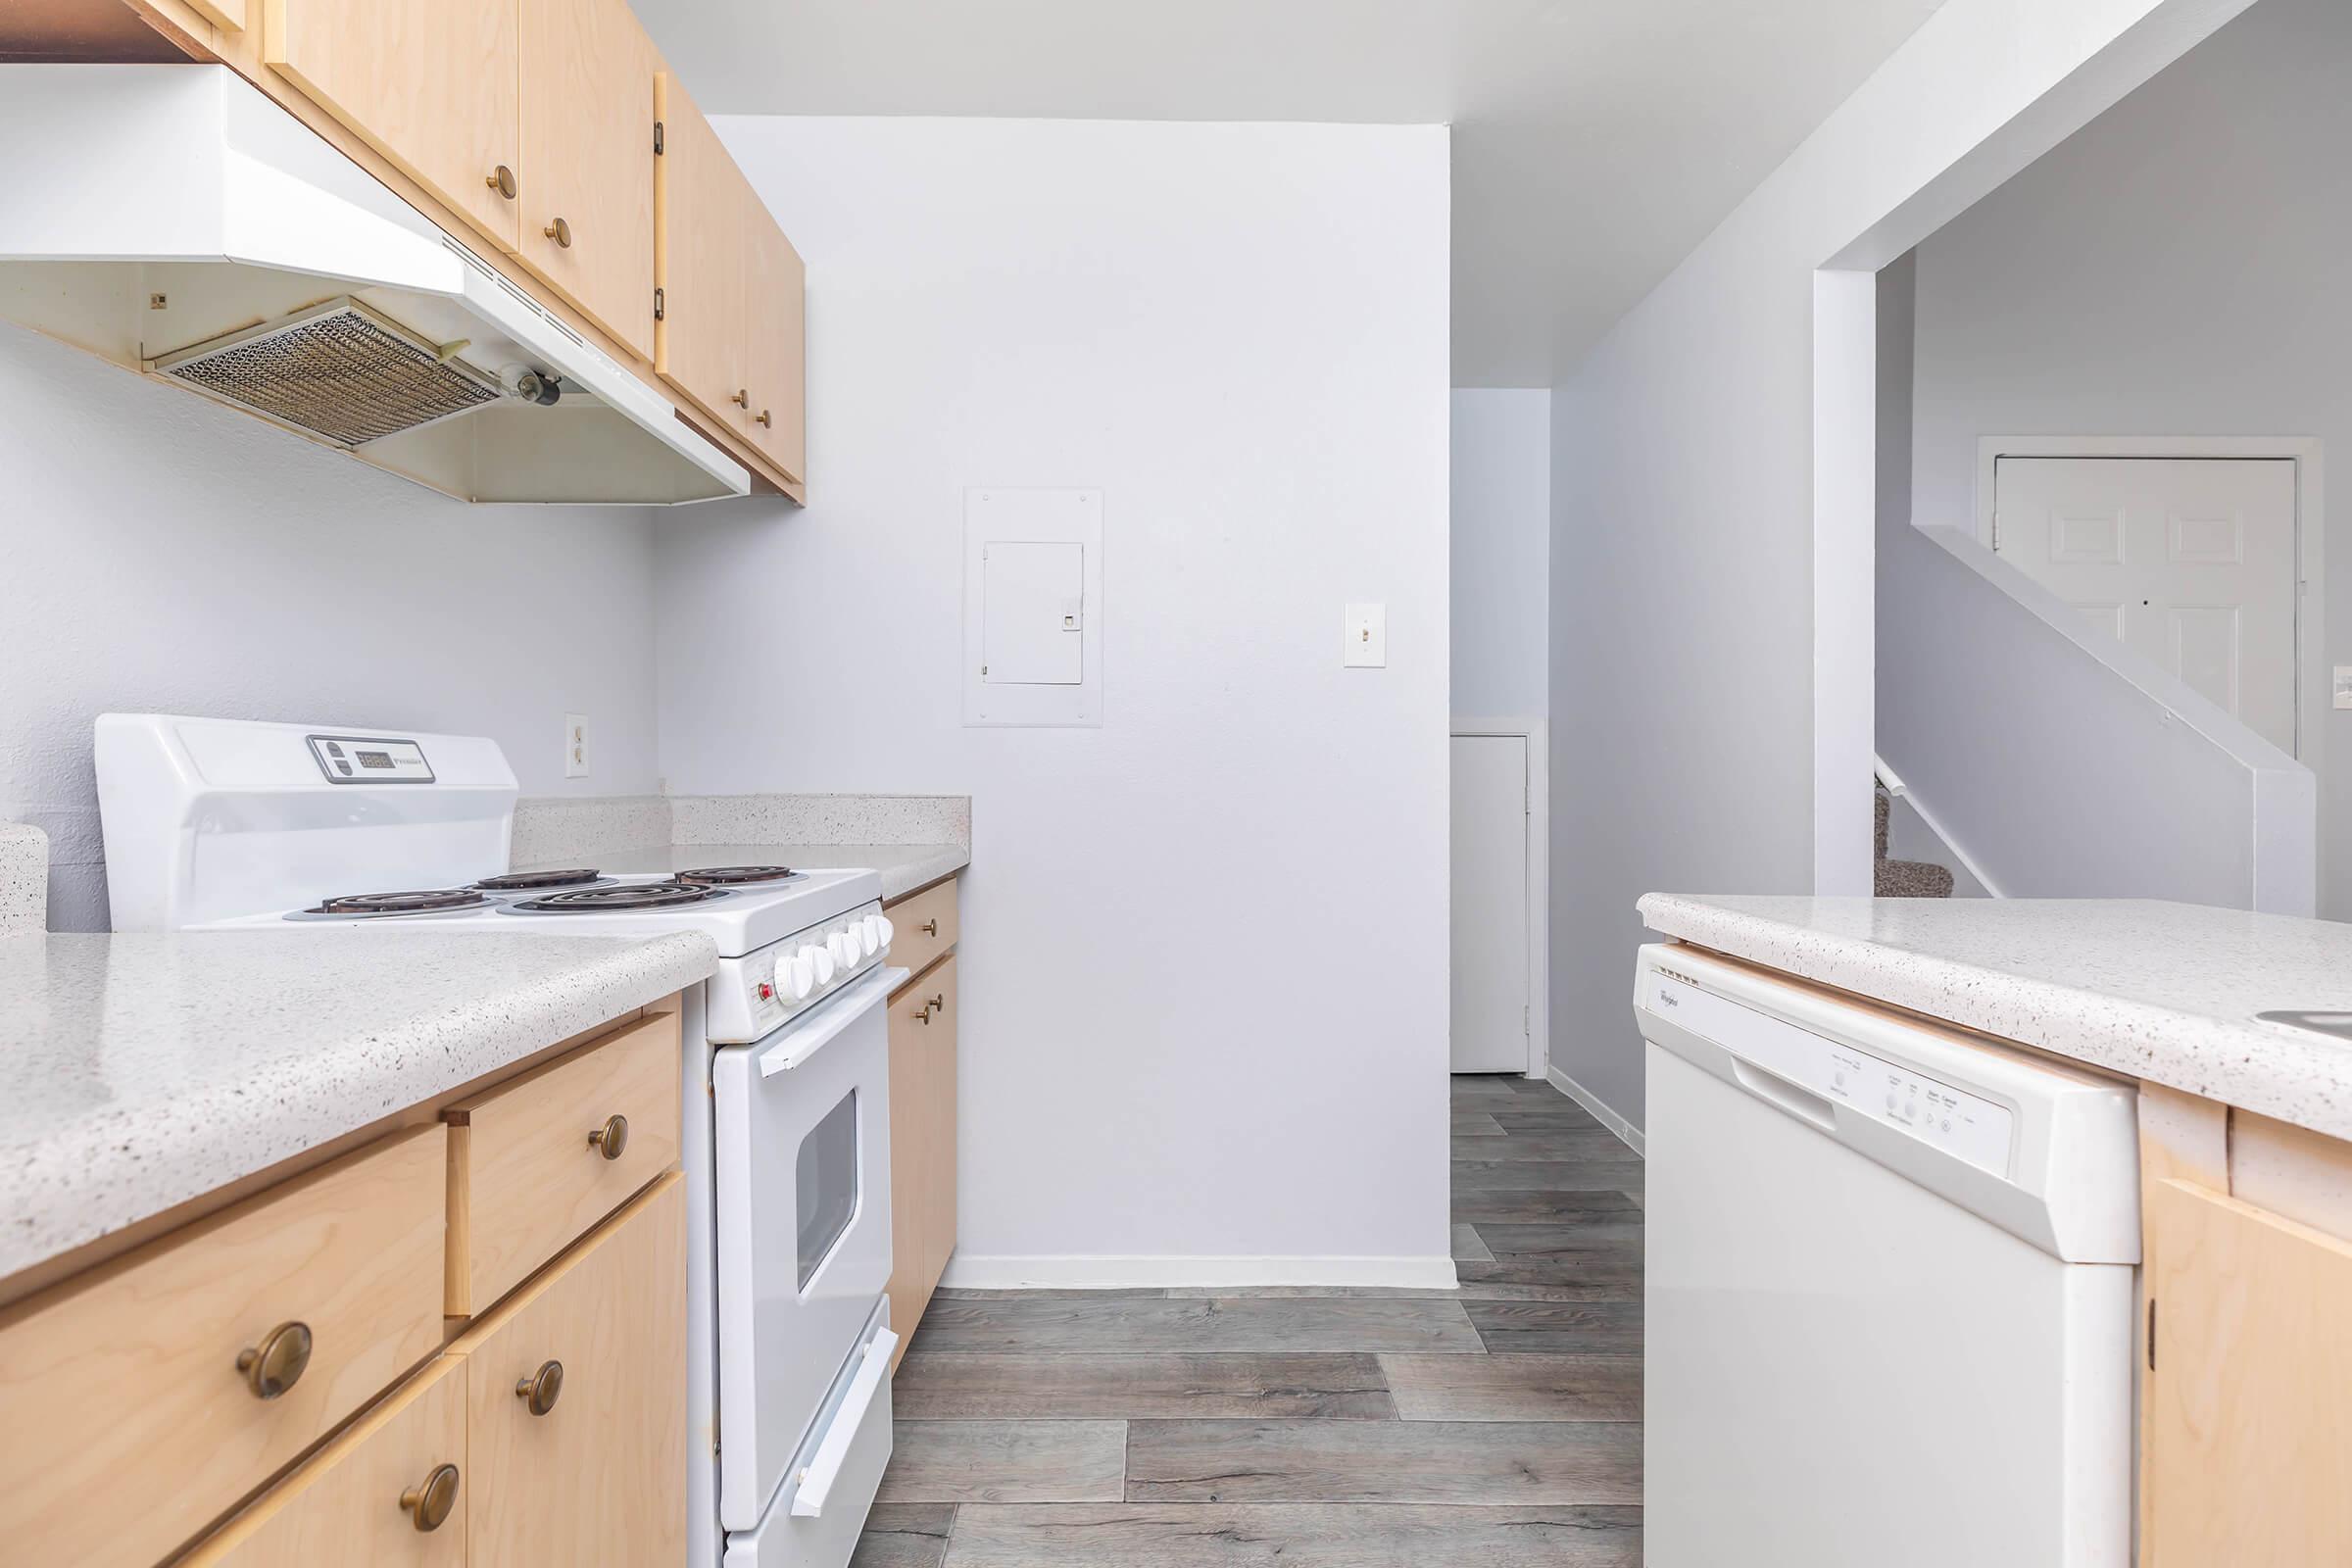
[[844, 947], [820, 961], [796, 975], [869, 940], [882, 929]]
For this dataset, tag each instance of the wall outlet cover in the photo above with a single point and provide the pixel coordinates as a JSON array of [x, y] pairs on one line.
[[2343, 685], [575, 746]]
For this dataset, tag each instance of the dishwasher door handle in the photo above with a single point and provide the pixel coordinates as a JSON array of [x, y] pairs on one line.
[[1774, 1089]]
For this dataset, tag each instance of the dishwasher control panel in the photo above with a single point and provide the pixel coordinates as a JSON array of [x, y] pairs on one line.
[[1965, 1125]]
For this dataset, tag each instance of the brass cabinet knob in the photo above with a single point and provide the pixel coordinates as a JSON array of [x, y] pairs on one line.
[[765, 420], [542, 1388], [922, 1015], [428, 1505], [560, 231], [277, 1364], [502, 181], [929, 928], [742, 398], [611, 1138]]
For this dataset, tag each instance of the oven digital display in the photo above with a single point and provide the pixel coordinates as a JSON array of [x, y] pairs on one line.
[[383, 760], [370, 759]]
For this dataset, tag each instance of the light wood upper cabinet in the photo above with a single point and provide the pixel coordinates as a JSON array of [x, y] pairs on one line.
[[592, 1477], [2248, 1446], [354, 1504], [701, 263], [431, 85], [587, 99], [775, 419]]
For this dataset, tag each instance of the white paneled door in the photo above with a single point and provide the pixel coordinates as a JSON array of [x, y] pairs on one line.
[[1490, 930], [2189, 560]]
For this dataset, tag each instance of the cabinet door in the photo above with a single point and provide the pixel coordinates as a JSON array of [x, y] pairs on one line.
[[911, 1163], [592, 1477], [354, 1504], [701, 261], [588, 150], [940, 1102], [431, 85], [2248, 1444], [775, 329]]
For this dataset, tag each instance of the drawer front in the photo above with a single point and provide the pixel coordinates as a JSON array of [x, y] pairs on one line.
[[129, 1425], [356, 1504], [584, 1465], [525, 1175], [923, 926]]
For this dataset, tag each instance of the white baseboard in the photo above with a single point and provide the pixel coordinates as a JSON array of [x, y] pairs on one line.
[[1627, 1133], [971, 1272]]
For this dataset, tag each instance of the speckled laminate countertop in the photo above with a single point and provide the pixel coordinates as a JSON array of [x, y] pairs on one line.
[[24, 877], [139, 1071], [903, 867], [2161, 992]]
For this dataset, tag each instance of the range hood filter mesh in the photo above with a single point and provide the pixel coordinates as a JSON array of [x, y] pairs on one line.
[[340, 371]]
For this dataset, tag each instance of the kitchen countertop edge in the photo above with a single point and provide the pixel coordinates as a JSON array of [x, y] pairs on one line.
[[91, 1173], [2293, 1075]]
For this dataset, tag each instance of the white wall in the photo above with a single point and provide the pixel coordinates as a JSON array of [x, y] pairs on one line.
[[1203, 959], [1502, 550], [2175, 268], [161, 553], [1683, 675]]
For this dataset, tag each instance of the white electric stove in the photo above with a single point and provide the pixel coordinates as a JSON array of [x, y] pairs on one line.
[[227, 825]]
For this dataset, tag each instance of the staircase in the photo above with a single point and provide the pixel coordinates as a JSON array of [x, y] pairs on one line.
[[1902, 879]]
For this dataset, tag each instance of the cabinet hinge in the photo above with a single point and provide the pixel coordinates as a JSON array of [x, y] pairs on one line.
[[660, 304], [656, 138], [2151, 1333]]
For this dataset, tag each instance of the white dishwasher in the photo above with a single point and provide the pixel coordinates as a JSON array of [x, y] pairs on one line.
[[1891, 1286]]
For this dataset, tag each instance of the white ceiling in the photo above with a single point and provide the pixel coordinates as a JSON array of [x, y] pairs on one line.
[[1596, 141]]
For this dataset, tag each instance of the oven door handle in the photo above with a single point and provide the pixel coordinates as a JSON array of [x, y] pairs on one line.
[[817, 1482], [796, 1046]]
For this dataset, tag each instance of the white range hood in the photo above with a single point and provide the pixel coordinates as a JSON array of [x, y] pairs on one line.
[[174, 219]]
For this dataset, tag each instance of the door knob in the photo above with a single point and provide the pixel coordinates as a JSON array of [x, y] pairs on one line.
[[543, 1388], [277, 1364], [560, 231], [611, 1138], [428, 1505], [502, 181]]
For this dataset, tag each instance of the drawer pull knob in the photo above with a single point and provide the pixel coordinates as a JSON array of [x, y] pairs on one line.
[[277, 1364], [560, 232], [611, 1138], [542, 1388], [765, 420], [929, 928], [502, 181], [428, 1506]]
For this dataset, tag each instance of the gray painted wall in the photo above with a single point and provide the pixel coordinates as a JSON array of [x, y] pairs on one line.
[[2175, 268]]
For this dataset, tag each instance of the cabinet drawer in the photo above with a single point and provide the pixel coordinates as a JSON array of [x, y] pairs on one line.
[[129, 1423], [530, 1166], [577, 1404], [354, 1504], [923, 926]]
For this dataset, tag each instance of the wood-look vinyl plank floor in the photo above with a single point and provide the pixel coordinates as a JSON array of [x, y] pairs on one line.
[[1307, 1426]]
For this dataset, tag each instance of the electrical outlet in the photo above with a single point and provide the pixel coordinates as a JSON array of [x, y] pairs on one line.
[[575, 746], [2343, 685]]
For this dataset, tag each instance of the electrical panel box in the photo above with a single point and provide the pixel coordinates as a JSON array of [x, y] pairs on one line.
[[1032, 608]]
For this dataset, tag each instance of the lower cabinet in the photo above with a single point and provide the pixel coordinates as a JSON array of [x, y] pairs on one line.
[[394, 1490], [575, 1428], [2250, 1367], [923, 1140]]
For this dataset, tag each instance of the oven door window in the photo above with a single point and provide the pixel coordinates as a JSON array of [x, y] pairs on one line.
[[825, 1180]]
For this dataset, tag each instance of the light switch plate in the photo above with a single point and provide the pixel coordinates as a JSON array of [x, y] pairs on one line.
[[2343, 685], [1367, 644]]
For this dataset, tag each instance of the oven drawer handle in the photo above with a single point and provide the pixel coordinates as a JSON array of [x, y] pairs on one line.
[[808, 1502], [796, 1046]]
